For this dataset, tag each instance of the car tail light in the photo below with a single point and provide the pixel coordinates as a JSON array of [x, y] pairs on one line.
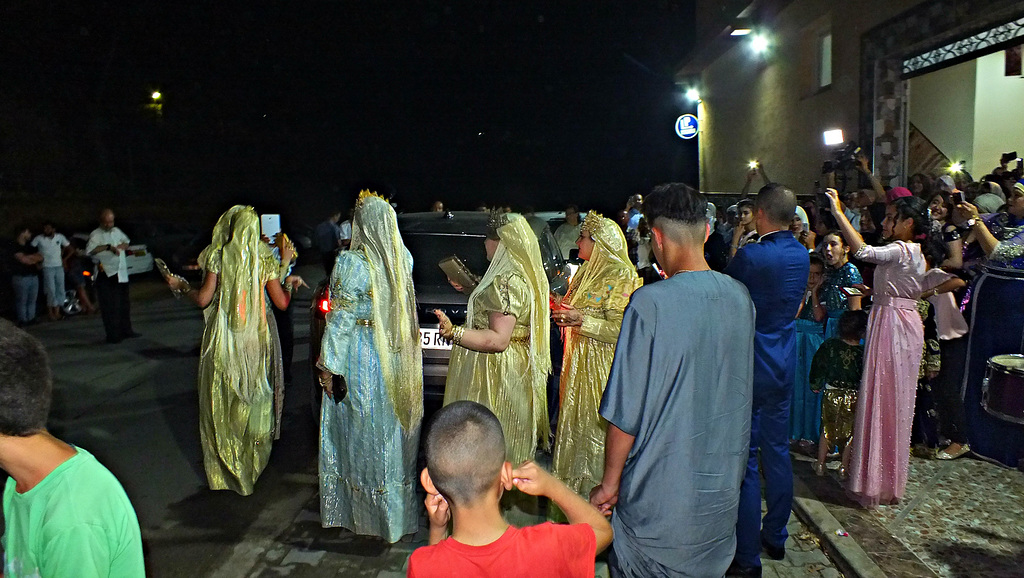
[[325, 305]]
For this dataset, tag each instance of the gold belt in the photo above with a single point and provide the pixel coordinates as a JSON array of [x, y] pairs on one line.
[[365, 322], [523, 339]]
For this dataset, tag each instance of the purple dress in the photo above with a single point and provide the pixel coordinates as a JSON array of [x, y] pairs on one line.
[[892, 358]]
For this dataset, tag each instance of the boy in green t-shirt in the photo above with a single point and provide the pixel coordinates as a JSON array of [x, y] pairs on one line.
[[64, 513]]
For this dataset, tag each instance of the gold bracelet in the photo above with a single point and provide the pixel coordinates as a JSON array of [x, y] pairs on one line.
[[458, 332]]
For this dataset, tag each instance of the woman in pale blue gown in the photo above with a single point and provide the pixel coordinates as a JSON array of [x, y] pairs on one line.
[[369, 438]]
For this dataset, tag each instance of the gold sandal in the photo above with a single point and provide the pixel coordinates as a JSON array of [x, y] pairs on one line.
[[947, 455]]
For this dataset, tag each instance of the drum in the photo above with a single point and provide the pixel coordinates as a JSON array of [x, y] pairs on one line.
[[1003, 388]]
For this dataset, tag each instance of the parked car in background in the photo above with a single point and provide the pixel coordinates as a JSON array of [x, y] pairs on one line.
[[137, 256], [431, 237]]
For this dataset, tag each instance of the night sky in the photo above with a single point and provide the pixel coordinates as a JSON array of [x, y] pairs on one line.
[[523, 103]]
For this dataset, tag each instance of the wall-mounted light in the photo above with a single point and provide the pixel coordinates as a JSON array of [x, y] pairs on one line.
[[740, 32], [693, 95], [752, 165], [956, 167], [759, 43], [833, 137]]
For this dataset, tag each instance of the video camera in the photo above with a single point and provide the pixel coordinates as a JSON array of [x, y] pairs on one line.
[[842, 159]]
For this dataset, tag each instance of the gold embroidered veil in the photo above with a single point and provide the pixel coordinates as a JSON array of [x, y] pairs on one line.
[[396, 331]]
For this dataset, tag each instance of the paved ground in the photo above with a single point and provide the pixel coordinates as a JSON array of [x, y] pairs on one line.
[[134, 405], [957, 518], [305, 549]]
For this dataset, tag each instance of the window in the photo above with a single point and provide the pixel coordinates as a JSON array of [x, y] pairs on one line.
[[825, 59]]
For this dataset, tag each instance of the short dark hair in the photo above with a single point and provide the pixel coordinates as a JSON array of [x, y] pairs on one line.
[[816, 259], [25, 382], [749, 203], [465, 450], [853, 324], [777, 202], [572, 209], [676, 202]]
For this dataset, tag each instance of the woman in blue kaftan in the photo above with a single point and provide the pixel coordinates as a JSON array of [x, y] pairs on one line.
[[369, 438]]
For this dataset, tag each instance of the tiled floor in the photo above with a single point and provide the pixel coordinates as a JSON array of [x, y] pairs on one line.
[[958, 518]]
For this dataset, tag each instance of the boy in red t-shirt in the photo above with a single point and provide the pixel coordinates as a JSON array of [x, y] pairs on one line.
[[465, 477]]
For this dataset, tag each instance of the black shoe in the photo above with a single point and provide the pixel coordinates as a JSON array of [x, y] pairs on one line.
[[737, 570], [774, 552]]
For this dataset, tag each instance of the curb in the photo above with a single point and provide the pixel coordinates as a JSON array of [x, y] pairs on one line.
[[847, 554]]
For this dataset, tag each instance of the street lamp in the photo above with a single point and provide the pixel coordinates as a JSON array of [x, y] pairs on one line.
[[156, 95]]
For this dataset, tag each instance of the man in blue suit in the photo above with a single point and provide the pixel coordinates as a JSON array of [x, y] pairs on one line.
[[774, 270]]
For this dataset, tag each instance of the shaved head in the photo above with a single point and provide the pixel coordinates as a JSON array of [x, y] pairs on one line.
[[465, 450], [679, 211]]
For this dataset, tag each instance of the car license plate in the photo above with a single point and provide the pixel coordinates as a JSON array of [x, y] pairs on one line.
[[431, 339]]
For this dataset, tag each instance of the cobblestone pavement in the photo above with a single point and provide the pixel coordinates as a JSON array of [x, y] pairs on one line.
[[958, 518], [305, 550]]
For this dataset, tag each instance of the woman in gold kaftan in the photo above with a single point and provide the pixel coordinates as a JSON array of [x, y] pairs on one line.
[[501, 358], [590, 317], [236, 419]]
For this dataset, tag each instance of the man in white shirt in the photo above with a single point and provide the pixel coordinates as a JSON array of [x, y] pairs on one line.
[[107, 245], [568, 232], [53, 247]]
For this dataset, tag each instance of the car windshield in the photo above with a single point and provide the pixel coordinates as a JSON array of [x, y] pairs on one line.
[[428, 249]]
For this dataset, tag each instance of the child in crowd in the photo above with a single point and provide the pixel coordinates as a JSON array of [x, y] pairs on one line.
[[465, 477], [837, 368], [805, 403]]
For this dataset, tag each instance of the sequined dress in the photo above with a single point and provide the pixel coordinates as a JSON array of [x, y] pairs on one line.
[[892, 358], [367, 460], [836, 369], [836, 302]]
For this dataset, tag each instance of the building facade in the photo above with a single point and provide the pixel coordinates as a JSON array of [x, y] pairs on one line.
[[833, 65]]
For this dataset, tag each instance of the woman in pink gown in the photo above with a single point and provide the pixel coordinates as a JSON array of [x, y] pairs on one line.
[[895, 337]]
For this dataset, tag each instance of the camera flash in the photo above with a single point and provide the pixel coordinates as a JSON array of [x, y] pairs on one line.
[[833, 137], [956, 167]]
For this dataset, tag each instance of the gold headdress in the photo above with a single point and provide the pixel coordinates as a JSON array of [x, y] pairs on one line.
[[592, 222], [497, 220], [367, 194]]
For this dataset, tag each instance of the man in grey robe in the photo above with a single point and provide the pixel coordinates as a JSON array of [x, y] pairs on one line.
[[678, 405]]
